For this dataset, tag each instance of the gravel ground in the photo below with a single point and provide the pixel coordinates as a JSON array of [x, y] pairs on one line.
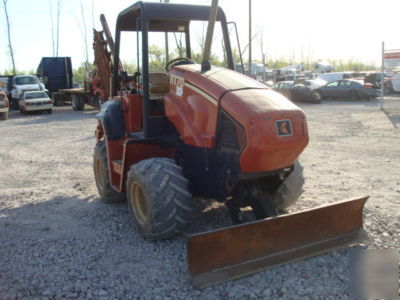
[[58, 240]]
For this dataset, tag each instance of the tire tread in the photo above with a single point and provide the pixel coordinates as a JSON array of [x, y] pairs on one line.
[[167, 191]]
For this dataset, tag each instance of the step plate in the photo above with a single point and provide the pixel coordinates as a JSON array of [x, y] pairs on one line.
[[229, 253]]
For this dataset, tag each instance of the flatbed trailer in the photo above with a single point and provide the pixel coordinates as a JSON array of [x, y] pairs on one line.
[[78, 97]]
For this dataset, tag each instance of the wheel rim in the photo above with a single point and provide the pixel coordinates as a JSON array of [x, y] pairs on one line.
[[98, 166], [317, 96], [139, 203]]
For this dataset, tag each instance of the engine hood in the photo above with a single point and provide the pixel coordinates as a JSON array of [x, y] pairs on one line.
[[217, 81], [28, 86], [275, 128]]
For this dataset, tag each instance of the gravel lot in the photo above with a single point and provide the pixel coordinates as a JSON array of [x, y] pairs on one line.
[[58, 240]]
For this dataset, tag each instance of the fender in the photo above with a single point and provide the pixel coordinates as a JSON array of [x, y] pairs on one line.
[[112, 119]]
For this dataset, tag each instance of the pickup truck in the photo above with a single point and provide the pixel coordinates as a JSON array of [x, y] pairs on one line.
[[21, 84]]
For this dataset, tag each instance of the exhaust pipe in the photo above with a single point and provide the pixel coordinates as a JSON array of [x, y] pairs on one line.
[[206, 64]]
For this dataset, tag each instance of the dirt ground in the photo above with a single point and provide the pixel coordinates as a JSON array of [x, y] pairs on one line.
[[58, 240]]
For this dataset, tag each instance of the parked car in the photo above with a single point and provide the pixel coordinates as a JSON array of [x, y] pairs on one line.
[[34, 101], [312, 84], [284, 87], [4, 105], [330, 77], [346, 89], [24, 83], [375, 79]]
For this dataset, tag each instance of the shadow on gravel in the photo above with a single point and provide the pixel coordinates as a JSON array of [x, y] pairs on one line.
[[44, 219], [393, 118], [65, 217]]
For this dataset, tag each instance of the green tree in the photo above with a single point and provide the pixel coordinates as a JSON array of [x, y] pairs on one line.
[[129, 67], [18, 72], [157, 59], [80, 74]]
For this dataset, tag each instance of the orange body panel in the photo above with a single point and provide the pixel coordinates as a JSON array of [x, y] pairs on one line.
[[193, 110], [133, 153], [129, 154], [194, 117], [195, 98], [114, 151], [132, 106], [257, 111]]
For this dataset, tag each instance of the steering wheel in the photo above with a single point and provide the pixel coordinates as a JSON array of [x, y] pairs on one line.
[[178, 61]]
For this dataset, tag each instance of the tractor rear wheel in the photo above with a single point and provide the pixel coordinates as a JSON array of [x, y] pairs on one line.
[[100, 168], [158, 197], [291, 188]]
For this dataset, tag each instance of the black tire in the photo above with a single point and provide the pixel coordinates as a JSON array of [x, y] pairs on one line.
[[316, 96], [4, 115], [291, 188], [158, 198], [297, 93], [58, 99], [22, 111], [100, 168], [96, 101], [354, 95], [14, 104], [301, 93], [49, 111], [77, 102]]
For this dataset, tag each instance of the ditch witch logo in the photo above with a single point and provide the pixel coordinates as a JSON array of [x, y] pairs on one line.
[[284, 127]]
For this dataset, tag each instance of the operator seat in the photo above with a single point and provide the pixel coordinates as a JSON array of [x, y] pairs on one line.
[[159, 85]]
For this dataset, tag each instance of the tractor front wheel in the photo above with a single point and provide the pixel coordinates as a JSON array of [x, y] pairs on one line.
[[158, 198], [100, 168]]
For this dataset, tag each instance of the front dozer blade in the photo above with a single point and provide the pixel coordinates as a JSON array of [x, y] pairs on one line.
[[240, 250]]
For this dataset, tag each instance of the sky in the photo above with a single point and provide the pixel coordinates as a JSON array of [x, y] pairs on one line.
[[322, 29]]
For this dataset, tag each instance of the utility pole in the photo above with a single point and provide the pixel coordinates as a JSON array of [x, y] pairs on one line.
[[166, 41], [263, 57], [9, 35], [58, 26], [250, 38], [383, 74]]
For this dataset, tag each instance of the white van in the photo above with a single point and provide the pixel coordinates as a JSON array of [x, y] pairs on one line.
[[333, 76]]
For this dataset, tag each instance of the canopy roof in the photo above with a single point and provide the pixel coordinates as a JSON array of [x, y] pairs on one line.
[[164, 16]]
